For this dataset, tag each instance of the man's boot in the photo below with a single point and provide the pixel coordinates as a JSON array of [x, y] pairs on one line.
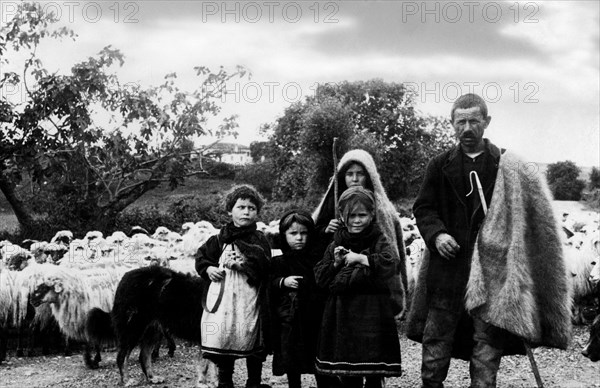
[[487, 353], [485, 363], [438, 338]]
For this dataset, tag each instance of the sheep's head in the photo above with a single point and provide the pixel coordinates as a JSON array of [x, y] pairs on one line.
[[63, 237], [45, 293], [187, 226], [18, 261]]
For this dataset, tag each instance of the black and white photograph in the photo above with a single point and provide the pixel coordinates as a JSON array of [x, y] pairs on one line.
[[309, 193]]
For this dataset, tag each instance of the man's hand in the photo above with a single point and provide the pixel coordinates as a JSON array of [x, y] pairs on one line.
[[292, 281], [215, 274], [446, 246], [333, 226]]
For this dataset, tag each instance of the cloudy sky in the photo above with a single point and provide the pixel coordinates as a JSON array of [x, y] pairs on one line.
[[537, 63]]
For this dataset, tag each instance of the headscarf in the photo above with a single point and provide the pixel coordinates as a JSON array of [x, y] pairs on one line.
[[386, 214]]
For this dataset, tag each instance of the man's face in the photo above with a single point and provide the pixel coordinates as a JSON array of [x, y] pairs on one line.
[[469, 126]]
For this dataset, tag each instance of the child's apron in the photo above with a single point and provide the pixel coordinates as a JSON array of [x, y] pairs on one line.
[[233, 327]]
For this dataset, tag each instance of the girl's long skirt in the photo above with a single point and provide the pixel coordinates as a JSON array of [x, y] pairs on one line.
[[359, 337]]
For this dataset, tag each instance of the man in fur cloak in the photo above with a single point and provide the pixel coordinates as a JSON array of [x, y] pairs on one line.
[[386, 215], [488, 284]]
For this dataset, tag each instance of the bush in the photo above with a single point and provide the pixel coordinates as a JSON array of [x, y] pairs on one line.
[[564, 182], [259, 175], [595, 178], [148, 218], [273, 211], [219, 170]]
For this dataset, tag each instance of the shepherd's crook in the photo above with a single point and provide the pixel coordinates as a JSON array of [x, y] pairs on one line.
[[534, 367], [335, 180]]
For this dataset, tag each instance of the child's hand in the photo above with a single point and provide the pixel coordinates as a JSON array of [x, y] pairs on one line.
[[215, 274], [292, 281], [333, 226], [356, 258], [339, 254]]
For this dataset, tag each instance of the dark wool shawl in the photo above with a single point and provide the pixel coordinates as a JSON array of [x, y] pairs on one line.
[[518, 280]]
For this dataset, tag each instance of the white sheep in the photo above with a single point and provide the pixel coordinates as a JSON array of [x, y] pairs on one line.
[[595, 273], [579, 259], [161, 233], [72, 293], [63, 237]]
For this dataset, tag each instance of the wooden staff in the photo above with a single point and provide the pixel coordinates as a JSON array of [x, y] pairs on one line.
[[335, 179]]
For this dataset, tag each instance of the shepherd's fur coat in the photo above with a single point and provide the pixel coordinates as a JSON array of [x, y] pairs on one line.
[[518, 279], [386, 217]]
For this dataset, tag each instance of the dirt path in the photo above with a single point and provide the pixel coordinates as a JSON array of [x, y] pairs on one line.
[[559, 369]]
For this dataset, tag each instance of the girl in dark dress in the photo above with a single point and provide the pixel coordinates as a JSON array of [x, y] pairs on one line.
[[358, 336], [297, 302]]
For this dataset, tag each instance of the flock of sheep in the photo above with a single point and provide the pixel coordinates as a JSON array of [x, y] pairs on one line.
[[66, 277]]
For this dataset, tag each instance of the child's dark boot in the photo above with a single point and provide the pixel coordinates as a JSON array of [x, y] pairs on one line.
[[226, 374], [254, 367]]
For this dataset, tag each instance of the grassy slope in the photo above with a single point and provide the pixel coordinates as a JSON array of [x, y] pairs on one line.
[[157, 198], [193, 186]]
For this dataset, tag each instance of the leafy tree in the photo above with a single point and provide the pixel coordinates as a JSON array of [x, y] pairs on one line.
[[258, 150], [373, 115], [62, 161], [563, 178], [595, 178]]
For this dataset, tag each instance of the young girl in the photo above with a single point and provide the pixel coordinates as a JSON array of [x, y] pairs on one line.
[[358, 335], [297, 302], [235, 322]]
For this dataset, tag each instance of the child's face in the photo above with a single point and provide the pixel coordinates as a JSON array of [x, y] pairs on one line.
[[243, 213], [355, 176], [359, 218], [296, 236]]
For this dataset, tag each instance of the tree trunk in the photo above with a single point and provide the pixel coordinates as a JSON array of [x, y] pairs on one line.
[[106, 216], [20, 208]]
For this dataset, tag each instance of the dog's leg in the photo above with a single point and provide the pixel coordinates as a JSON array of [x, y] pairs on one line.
[[98, 356], [148, 342], [170, 343], [3, 344], [156, 349], [87, 356], [122, 361]]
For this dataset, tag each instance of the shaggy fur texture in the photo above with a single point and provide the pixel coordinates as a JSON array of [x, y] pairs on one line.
[[72, 293], [518, 279], [386, 216], [592, 348], [150, 298]]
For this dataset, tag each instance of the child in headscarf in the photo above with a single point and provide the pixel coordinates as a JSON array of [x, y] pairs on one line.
[[297, 302], [358, 335]]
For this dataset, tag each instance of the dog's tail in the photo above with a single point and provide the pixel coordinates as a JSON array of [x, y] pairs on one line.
[[99, 328]]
